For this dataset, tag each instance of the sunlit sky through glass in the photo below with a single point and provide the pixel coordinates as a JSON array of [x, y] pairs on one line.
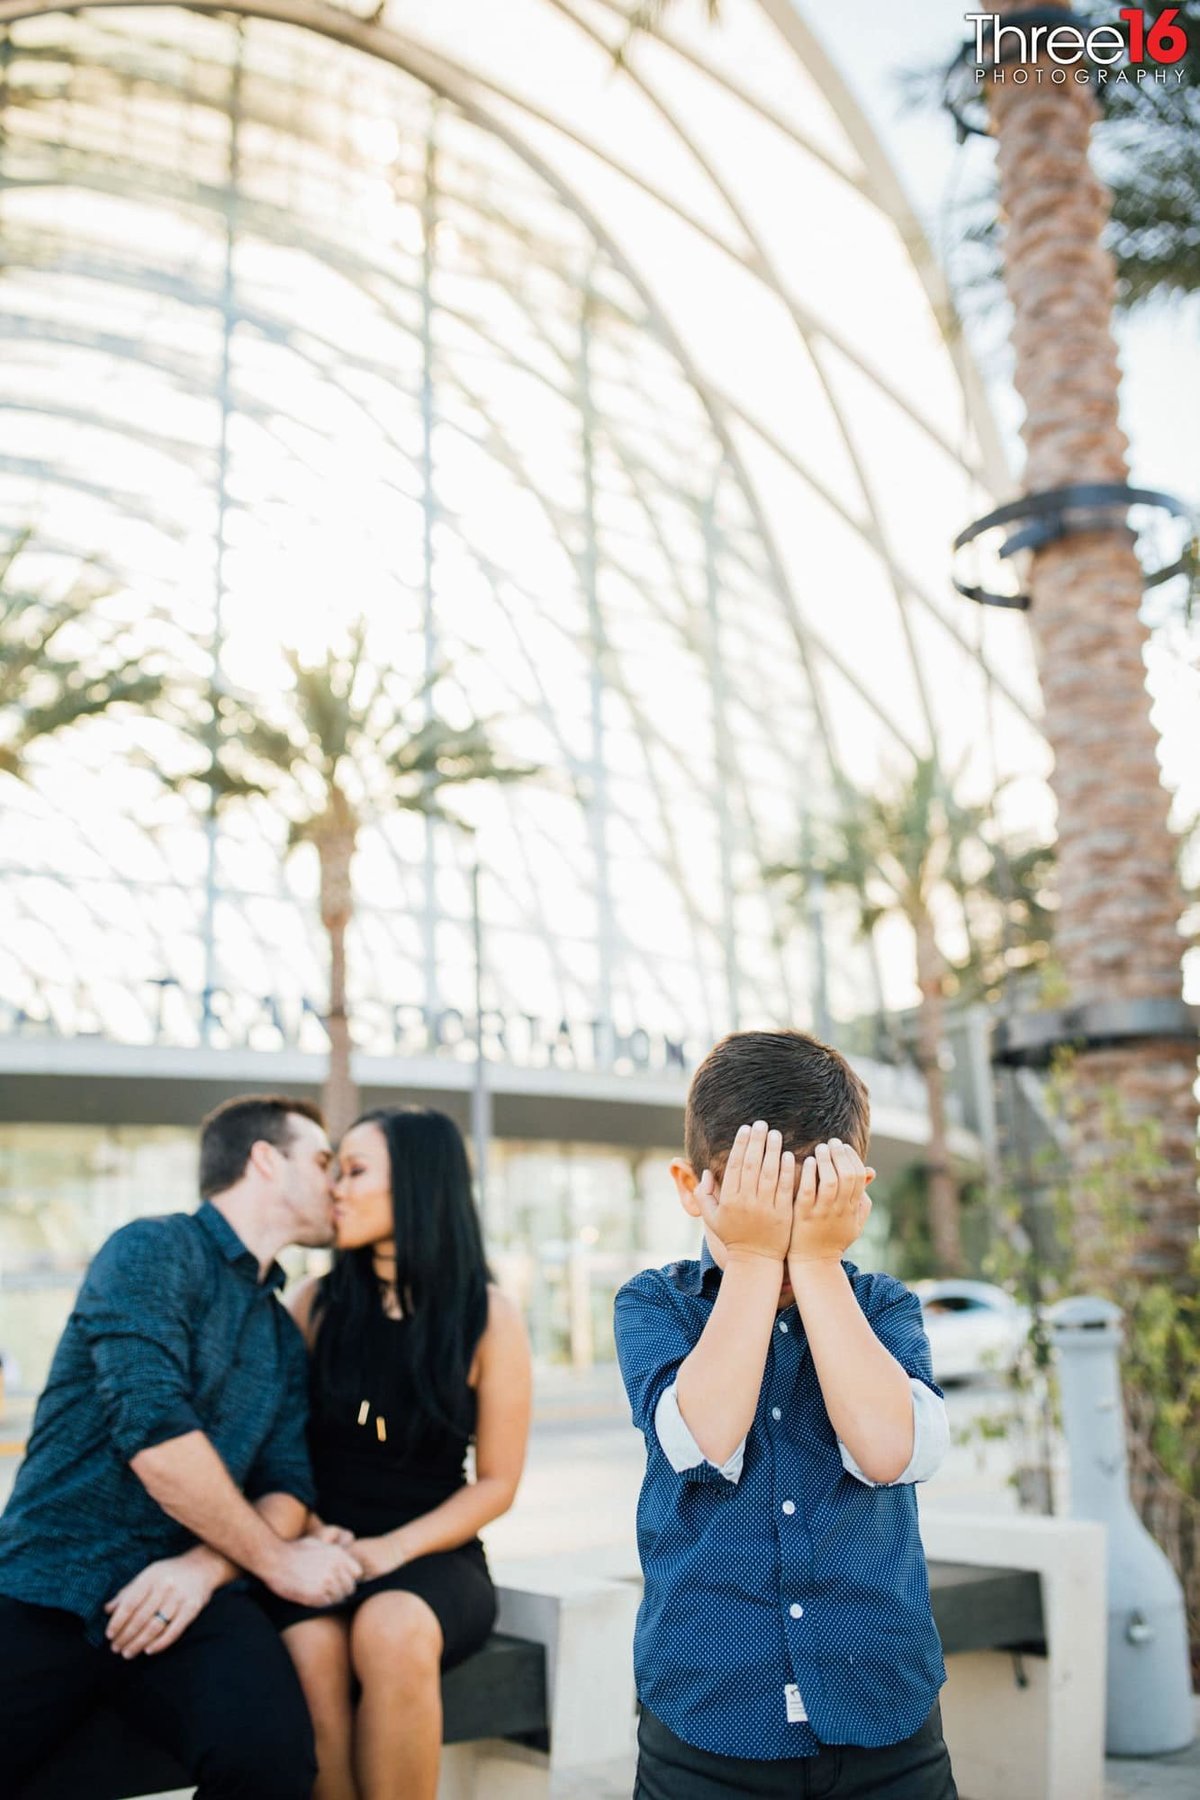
[[611, 395]]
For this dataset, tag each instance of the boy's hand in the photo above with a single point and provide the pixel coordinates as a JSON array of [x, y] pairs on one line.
[[752, 1214], [832, 1205]]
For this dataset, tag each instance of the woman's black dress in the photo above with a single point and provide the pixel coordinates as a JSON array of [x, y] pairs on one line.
[[366, 1485]]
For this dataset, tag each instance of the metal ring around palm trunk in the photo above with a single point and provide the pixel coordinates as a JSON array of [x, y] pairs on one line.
[[1057, 513], [1030, 1040]]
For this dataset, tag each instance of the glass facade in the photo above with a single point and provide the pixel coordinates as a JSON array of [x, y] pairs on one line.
[[569, 1223], [650, 453], [607, 380]]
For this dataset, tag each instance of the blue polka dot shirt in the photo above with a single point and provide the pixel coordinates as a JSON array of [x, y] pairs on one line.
[[787, 1608]]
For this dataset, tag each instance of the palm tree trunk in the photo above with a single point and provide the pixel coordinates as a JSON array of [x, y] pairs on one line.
[[944, 1219], [335, 842], [1121, 900]]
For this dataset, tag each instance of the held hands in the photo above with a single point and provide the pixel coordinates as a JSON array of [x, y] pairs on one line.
[[329, 1534], [314, 1573], [380, 1555], [152, 1612], [374, 1555], [759, 1211]]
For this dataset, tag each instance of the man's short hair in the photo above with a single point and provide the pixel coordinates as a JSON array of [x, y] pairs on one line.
[[801, 1087], [231, 1130]]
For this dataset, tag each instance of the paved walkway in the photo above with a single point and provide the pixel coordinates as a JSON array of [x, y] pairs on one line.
[[1162, 1778]]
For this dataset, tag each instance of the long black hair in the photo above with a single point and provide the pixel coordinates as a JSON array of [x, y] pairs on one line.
[[441, 1282]]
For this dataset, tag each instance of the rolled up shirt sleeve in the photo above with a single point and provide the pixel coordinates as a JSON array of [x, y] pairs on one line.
[[282, 1465], [139, 1305], [680, 1447], [653, 1339], [894, 1315], [931, 1440]]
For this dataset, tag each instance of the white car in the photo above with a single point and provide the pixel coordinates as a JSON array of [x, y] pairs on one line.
[[974, 1328]]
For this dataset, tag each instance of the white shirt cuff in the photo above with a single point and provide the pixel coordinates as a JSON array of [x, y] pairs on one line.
[[680, 1447], [931, 1440]]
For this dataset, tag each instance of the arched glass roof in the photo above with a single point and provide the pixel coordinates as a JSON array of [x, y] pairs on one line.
[[606, 375]]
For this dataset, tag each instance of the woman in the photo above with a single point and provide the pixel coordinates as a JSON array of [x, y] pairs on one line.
[[414, 1353]]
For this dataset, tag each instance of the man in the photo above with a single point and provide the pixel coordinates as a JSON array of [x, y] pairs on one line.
[[167, 1456]]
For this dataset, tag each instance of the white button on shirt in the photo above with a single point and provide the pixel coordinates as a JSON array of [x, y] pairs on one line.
[[797, 1612], [789, 1507]]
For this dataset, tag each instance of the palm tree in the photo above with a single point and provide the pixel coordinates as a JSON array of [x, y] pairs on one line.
[[1150, 158], [1120, 895], [344, 748], [1011, 917], [59, 663], [900, 854]]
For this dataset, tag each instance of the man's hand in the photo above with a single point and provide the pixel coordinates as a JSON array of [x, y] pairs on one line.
[[752, 1214], [313, 1573], [153, 1611], [832, 1206]]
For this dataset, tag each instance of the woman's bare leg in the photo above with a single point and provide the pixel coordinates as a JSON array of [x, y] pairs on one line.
[[396, 1652], [320, 1649]]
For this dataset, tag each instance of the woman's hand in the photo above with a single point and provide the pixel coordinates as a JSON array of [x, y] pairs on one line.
[[381, 1555], [329, 1534]]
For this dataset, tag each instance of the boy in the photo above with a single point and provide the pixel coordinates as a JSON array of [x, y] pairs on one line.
[[785, 1644]]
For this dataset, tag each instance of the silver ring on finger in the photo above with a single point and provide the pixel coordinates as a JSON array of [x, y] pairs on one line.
[[162, 1616]]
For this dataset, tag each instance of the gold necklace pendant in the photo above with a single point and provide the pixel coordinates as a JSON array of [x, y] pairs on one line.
[[389, 1299], [381, 1428]]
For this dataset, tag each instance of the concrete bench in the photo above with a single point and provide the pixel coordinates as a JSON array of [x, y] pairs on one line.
[[1021, 1607], [552, 1689], [1019, 1603], [977, 1608]]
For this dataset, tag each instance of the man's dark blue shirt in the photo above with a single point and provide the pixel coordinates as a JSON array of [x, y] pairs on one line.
[[788, 1609], [171, 1332]]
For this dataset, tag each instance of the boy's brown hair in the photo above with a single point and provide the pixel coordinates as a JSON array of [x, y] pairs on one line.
[[801, 1087]]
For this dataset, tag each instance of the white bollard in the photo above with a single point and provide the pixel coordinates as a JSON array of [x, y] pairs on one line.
[[1149, 1700]]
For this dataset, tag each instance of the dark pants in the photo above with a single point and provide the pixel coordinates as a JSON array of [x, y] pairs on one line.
[[224, 1699], [917, 1769]]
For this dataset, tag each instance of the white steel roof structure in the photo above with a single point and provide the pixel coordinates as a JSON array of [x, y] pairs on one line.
[[607, 374]]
